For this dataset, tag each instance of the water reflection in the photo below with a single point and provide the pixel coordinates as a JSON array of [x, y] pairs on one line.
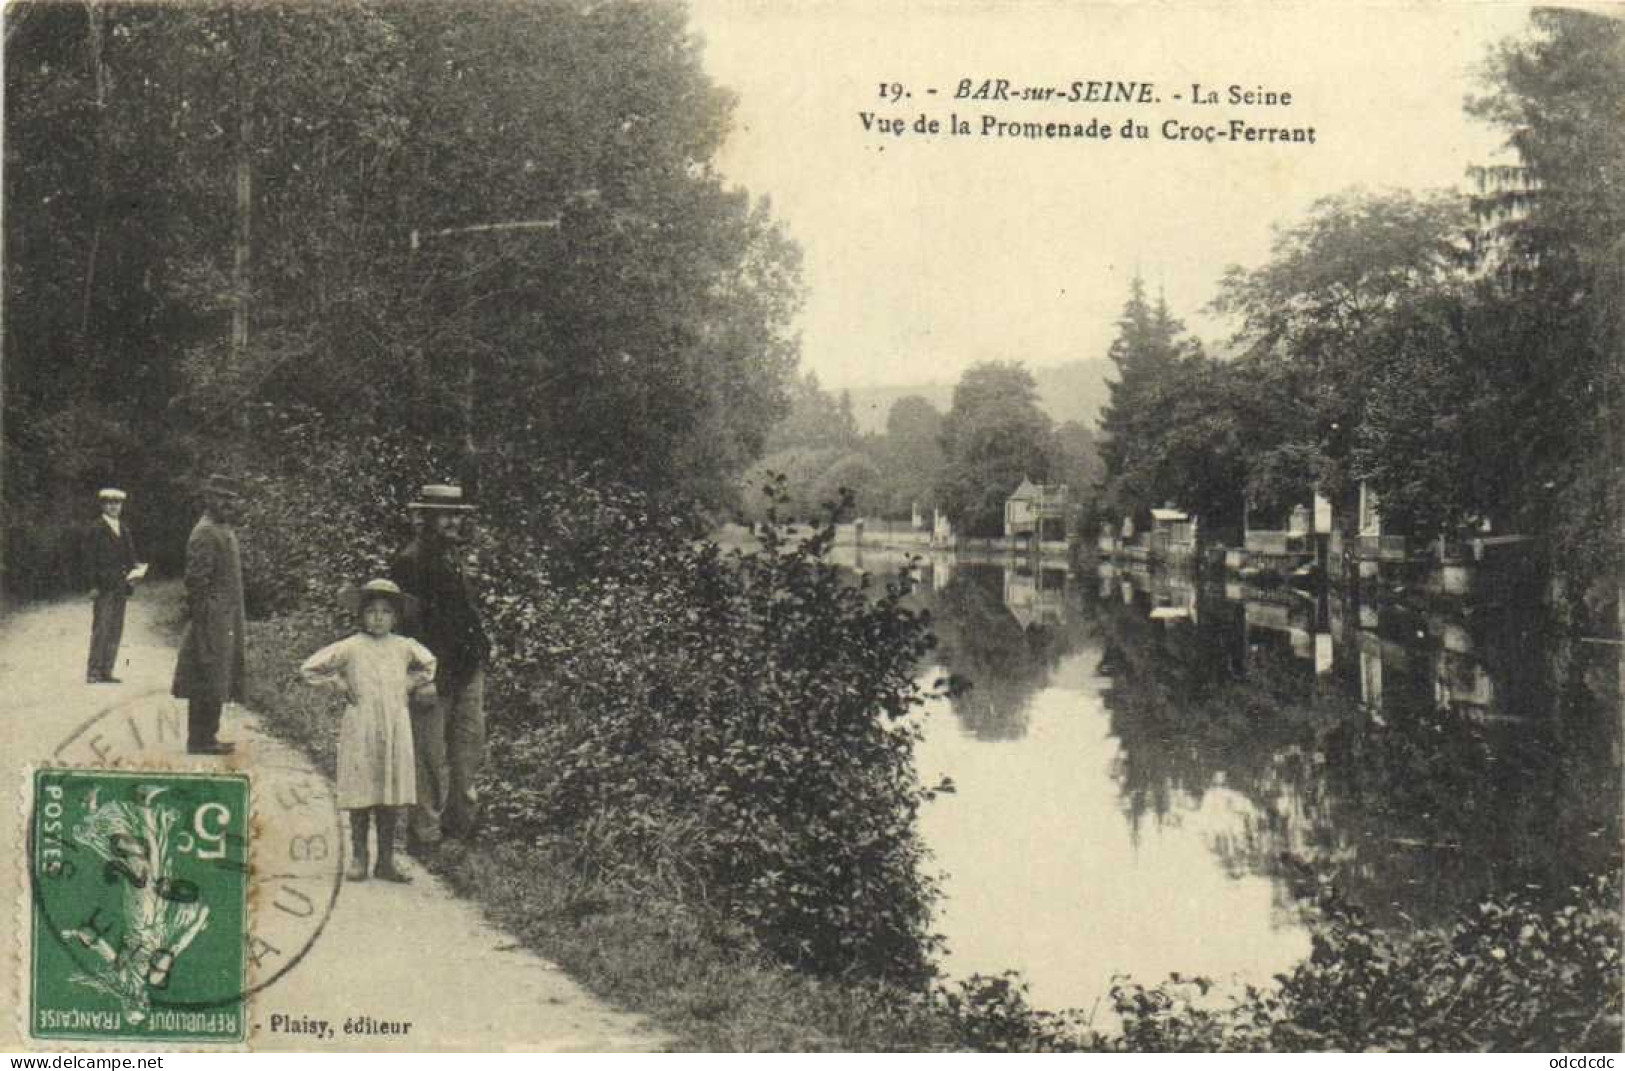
[[1422, 759], [1007, 630], [1164, 745]]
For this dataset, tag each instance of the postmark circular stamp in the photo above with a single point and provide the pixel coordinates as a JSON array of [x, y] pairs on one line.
[[165, 890]]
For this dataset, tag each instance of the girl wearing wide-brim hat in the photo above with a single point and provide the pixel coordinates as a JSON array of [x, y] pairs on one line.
[[376, 671]]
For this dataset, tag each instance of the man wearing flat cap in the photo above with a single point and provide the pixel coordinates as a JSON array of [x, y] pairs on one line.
[[448, 731], [113, 568], [210, 670]]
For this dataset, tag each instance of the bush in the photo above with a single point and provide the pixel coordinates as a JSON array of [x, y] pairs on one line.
[[729, 727], [992, 1014], [1507, 975], [326, 509]]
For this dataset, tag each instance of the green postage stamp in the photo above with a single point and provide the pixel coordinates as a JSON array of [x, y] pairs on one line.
[[139, 888]]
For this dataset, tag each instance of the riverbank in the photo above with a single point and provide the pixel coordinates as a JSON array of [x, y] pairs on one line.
[[701, 977], [692, 973]]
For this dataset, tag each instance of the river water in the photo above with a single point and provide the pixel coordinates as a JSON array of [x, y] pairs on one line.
[[1142, 760]]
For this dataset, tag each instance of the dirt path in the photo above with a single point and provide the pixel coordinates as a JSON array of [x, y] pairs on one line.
[[402, 953]]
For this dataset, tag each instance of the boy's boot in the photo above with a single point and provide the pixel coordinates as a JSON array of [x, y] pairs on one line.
[[358, 845], [386, 848]]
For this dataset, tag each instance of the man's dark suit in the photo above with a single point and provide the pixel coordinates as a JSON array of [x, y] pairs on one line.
[[109, 557], [448, 733]]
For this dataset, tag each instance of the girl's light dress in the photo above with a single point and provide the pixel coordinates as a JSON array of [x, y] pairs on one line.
[[376, 764]]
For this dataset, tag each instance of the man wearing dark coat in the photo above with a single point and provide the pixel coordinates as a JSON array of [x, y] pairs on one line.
[[210, 669], [448, 731], [111, 563]]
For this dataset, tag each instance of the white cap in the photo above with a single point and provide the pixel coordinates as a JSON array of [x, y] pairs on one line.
[[111, 494]]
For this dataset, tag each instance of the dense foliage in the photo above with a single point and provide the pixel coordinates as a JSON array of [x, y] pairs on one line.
[[725, 731], [497, 228], [1459, 355], [1505, 976], [1556, 245], [347, 249], [994, 437], [1154, 364], [818, 450], [327, 509], [726, 727], [906, 471]]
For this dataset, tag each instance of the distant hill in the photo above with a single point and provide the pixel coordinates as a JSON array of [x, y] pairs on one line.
[[1072, 391]]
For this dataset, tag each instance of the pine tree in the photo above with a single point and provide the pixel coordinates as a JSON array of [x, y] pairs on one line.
[[1152, 358]]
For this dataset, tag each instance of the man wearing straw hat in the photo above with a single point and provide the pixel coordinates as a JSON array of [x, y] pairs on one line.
[[113, 567], [448, 732], [210, 669]]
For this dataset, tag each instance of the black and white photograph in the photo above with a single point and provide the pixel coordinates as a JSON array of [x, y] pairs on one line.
[[936, 526]]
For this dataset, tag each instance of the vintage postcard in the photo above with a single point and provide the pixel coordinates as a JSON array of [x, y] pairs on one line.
[[945, 525]]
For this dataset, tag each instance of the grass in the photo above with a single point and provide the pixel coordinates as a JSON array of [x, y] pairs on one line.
[[692, 975]]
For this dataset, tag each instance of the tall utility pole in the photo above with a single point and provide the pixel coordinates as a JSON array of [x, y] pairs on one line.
[[419, 237], [245, 196], [95, 20], [470, 451]]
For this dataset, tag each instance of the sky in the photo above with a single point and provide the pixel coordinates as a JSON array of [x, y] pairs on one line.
[[924, 255]]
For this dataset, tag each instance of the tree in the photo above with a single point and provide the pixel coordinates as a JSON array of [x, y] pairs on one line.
[[649, 329], [642, 324], [1553, 325], [1317, 321], [815, 418], [817, 435], [910, 455], [993, 437], [1433, 439], [1200, 460], [104, 118], [1151, 358], [1075, 458], [854, 472]]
